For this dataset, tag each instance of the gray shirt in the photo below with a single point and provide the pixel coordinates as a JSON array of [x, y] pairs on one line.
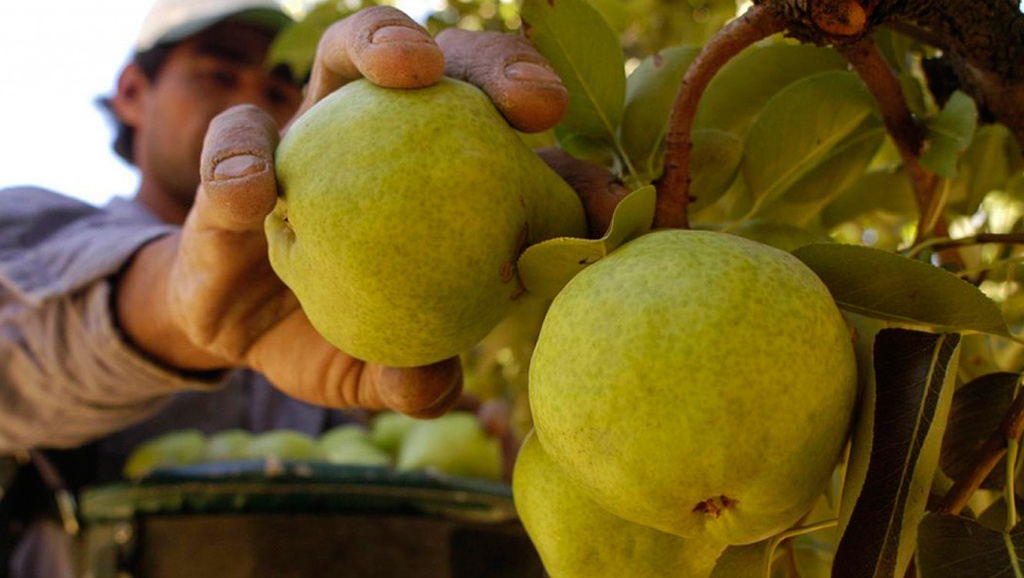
[[67, 374]]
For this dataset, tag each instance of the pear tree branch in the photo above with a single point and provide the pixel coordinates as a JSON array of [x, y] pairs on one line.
[[983, 38], [899, 121], [673, 187], [995, 447]]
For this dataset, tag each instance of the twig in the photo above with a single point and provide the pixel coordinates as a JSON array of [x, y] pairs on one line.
[[991, 452], [674, 185], [979, 239]]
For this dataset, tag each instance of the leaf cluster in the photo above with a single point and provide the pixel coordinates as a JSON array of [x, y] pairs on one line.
[[790, 147]]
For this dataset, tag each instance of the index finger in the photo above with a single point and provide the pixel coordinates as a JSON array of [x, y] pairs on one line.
[[381, 44], [520, 82]]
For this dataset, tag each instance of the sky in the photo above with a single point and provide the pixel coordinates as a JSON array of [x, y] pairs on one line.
[[56, 58]]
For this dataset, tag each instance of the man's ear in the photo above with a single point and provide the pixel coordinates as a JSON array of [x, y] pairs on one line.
[[128, 99]]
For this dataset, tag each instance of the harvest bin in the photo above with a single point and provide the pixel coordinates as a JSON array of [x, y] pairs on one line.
[[279, 519]]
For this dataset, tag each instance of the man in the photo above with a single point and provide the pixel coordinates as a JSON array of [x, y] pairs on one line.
[[161, 312]]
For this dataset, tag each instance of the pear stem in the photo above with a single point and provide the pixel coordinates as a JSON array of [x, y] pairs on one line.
[[674, 184]]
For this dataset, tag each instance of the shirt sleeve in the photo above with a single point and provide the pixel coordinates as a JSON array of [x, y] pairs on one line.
[[67, 375]]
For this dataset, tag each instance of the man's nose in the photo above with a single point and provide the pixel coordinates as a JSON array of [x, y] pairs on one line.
[[252, 91]]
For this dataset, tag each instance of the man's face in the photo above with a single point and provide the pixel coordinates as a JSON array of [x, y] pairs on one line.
[[200, 78]]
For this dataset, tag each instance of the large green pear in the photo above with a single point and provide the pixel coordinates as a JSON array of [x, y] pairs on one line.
[[402, 215], [576, 538], [696, 382]]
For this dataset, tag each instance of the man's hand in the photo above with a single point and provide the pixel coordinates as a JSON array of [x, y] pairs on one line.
[[217, 301]]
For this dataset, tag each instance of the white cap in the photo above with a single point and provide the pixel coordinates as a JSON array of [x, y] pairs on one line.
[[174, 20]]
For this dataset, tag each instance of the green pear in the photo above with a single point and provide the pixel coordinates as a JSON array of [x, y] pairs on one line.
[[344, 433], [350, 445], [356, 453], [285, 444], [455, 443], [388, 429], [176, 448], [576, 538], [402, 216], [231, 444], [696, 382]]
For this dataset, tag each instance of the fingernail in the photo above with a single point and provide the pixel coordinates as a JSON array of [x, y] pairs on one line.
[[238, 166], [397, 34], [531, 72]]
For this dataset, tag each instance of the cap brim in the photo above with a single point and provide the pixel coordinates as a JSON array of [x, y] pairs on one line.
[[269, 19]]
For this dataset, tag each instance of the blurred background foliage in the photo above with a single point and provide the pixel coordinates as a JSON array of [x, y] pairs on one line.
[[645, 26]]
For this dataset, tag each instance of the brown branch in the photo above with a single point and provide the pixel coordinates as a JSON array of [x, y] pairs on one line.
[[983, 39], [980, 239], [880, 79], [988, 34], [674, 185], [991, 452]]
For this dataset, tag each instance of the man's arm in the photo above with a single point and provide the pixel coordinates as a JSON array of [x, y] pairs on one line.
[[68, 375]]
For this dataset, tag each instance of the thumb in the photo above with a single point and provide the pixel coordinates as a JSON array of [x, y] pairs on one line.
[[238, 185], [424, 392]]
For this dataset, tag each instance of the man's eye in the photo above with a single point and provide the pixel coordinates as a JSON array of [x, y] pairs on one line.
[[224, 78], [282, 96]]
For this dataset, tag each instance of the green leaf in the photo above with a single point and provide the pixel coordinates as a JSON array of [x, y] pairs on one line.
[[1015, 187], [296, 46], [586, 53], [651, 90], [714, 161], [798, 129], [584, 147], [813, 559], [888, 286], [614, 12], [743, 86], [898, 433], [948, 134], [895, 46], [984, 167], [865, 330], [954, 547], [777, 234], [844, 167], [978, 409], [750, 561], [886, 191], [545, 268]]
